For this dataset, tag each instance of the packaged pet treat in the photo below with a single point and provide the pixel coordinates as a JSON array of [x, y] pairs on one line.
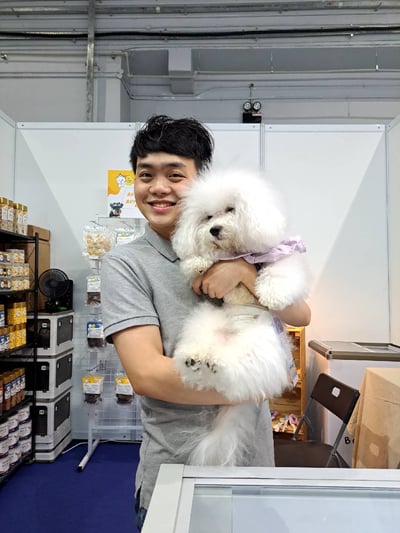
[[123, 390], [97, 240], [124, 235], [93, 285], [95, 334], [92, 387]]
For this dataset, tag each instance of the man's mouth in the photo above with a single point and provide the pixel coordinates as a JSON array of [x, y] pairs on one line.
[[161, 204]]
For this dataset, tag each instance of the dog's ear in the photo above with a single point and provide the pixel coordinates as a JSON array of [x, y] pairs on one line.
[[184, 239], [260, 215]]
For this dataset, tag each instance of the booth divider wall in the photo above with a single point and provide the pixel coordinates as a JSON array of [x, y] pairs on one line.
[[64, 167], [332, 179], [7, 154], [393, 143]]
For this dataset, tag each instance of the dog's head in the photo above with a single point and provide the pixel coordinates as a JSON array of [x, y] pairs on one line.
[[228, 212]]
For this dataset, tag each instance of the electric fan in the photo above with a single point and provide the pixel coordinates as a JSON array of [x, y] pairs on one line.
[[54, 284]]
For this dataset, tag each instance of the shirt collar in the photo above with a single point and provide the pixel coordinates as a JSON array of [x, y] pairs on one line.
[[163, 246]]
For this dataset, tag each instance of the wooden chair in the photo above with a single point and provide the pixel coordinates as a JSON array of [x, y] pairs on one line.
[[339, 399]]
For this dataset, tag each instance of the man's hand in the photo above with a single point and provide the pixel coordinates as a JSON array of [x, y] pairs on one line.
[[224, 276]]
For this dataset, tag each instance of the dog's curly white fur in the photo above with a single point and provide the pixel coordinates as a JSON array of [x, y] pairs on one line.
[[235, 348]]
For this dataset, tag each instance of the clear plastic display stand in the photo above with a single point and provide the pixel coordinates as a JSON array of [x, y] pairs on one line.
[[111, 417]]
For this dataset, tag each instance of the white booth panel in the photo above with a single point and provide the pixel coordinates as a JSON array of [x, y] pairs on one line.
[[393, 156], [61, 173], [333, 179], [7, 155], [237, 145]]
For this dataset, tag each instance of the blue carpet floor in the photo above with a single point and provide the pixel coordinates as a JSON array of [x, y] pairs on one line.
[[57, 498]]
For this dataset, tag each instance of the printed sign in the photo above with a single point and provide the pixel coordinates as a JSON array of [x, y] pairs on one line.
[[120, 195]]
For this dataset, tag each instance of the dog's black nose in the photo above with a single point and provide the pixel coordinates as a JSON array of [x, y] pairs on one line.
[[215, 230]]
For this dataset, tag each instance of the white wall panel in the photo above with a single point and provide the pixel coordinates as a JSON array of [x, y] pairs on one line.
[[7, 154], [237, 145], [333, 179], [61, 173], [393, 155]]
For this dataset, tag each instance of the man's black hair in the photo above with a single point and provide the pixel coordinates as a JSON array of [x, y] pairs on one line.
[[185, 137]]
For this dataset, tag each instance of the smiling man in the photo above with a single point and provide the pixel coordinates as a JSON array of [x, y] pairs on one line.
[[145, 299]]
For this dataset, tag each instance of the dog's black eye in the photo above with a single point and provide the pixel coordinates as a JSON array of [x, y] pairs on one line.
[[230, 210], [209, 217]]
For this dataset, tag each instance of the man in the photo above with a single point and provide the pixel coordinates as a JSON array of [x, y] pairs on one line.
[[145, 299]]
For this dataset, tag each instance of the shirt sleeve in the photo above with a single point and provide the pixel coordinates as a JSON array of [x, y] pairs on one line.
[[126, 295]]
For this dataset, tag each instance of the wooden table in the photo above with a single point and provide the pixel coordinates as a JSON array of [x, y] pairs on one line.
[[375, 423]]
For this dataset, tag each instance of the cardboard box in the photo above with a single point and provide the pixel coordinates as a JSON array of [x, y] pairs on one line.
[[44, 261], [44, 234]]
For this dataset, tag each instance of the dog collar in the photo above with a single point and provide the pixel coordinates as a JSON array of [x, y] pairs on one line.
[[284, 248]]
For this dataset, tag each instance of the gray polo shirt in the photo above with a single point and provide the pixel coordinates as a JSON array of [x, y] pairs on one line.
[[142, 284]]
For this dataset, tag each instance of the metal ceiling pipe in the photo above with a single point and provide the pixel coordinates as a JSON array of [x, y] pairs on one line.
[[189, 8], [90, 60]]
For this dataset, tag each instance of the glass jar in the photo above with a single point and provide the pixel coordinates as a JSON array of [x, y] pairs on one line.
[[10, 215], [25, 220], [4, 213]]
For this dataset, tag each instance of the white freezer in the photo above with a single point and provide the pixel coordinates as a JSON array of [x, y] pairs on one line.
[[189, 499]]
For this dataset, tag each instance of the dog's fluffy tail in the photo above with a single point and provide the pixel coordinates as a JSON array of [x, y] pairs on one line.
[[227, 442]]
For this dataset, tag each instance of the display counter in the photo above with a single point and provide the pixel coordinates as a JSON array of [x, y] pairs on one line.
[[190, 499]]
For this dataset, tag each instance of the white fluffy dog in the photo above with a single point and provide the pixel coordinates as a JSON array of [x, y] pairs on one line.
[[239, 349]]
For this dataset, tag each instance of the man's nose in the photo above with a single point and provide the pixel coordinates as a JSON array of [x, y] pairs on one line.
[[160, 184]]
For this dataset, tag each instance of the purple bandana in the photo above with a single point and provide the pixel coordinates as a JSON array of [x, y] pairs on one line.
[[284, 248]]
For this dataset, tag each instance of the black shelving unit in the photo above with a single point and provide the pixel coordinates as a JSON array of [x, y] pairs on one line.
[[14, 240]]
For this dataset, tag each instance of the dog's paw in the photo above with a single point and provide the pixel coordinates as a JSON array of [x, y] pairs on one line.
[[196, 363], [193, 363], [283, 283], [196, 369], [195, 266], [275, 302], [276, 293], [212, 366]]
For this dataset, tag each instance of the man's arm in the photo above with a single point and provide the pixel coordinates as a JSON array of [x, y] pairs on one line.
[[152, 374], [224, 276]]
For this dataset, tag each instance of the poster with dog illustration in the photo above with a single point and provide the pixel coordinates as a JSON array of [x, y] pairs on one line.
[[120, 194]]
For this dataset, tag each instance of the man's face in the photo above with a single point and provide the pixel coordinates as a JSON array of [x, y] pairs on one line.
[[160, 181]]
